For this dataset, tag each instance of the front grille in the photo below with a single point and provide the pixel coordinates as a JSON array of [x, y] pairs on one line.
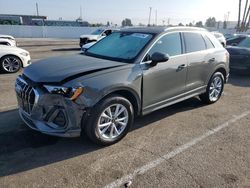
[[83, 40], [25, 95]]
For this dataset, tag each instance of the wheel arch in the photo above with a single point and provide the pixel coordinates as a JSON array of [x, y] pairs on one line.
[[1, 58], [129, 94], [221, 69]]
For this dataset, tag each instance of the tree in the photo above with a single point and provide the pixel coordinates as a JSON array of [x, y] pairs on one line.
[[211, 22], [190, 24], [108, 23], [126, 22], [199, 24], [180, 24], [224, 25]]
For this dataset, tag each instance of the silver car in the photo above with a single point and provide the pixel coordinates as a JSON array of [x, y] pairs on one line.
[[129, 73]]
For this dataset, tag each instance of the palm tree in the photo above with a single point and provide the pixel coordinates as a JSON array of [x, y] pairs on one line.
[[243, 23], [247, 17], [238, 26]]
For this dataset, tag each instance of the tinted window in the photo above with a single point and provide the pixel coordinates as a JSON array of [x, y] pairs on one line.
[[209, 44], [194, 42], [120, 46], [245, 43], [169, 44]]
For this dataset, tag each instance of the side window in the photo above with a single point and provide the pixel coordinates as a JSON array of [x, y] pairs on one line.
[[194, 42], [169, 44], [208, 42]]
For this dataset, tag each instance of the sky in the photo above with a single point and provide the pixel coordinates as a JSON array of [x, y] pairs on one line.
[[99, 11]]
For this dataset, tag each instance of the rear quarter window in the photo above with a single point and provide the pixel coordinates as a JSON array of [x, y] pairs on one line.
[[208, 42]]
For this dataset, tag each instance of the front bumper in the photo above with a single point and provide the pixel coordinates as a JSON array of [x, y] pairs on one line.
[[26, 60], [48, 113]]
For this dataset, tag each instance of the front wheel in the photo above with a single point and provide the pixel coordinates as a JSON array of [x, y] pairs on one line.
[[110, 120], [10, 64], [214, 89]]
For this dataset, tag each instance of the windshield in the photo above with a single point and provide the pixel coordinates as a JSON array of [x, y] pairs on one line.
[[120, 46], [97, 32], [245, 43]]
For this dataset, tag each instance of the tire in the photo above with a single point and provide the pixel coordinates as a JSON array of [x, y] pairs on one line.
[[10, 64], [213, 94], [105, 130]]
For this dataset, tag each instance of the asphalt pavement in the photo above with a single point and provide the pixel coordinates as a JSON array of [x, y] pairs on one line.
[[188, 144]]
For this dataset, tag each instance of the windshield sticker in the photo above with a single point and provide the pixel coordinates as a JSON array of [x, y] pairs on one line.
[[140, 35]]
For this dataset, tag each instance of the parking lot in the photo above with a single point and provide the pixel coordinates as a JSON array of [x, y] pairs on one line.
[[185, 145]]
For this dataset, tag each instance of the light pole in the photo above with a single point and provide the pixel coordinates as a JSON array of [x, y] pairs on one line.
[[149, 18]]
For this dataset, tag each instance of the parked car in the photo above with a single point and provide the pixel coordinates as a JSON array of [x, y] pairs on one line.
[[7, 40], [101, 91], [240, 57], [234, 41], [221, 38], [228, 36], [12, 59], [95, 36]]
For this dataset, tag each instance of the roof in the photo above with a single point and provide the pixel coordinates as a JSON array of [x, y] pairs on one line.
[[160, 29]]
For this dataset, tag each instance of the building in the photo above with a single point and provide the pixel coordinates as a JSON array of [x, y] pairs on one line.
[[12, 19], [8, 19]]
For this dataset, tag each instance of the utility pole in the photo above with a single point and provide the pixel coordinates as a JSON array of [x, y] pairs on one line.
[[37, 12], [156, 17], [81, 12], [149, 18]]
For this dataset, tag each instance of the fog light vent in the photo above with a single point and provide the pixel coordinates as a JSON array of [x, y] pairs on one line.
[[60, 119]]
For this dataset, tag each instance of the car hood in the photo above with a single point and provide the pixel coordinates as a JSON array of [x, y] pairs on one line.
[[60, 69], [90, 36], [236, 50]]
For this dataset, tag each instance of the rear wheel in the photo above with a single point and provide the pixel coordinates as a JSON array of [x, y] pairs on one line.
[[214, 89], [110, 120], [10, 64]]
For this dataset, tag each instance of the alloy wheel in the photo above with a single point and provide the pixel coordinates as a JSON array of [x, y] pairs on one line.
[[11, 64], [113, 121], [215, 89]]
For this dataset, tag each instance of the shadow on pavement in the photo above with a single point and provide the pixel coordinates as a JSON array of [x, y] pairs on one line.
[[22, 149], [66, 49]]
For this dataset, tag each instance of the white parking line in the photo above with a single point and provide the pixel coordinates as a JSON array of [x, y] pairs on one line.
[[178, 150]]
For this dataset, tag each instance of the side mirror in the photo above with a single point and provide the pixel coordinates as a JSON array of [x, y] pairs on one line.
[[159, 58]]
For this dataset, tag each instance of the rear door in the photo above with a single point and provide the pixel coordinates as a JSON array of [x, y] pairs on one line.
[[198, 57]]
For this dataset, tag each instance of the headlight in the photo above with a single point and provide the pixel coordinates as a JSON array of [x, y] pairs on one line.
[[25, 53], [69, 92]]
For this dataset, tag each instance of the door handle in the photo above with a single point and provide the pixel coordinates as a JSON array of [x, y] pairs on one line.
[[181, 67], [211, 60]]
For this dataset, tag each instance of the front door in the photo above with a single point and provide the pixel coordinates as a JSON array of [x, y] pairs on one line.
[[166, 80]]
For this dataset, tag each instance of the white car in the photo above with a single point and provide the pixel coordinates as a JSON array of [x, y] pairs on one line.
[[12, 59], [7, 40], [95, 36], [220, 38]]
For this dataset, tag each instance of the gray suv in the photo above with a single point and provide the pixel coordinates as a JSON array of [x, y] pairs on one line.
[[130, 73]]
